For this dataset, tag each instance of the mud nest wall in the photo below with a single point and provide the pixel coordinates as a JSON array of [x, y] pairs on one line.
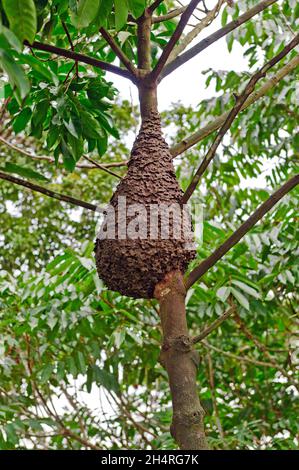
[[134, 266]]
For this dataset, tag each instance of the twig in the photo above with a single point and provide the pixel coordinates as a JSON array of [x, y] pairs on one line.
[[82, 58], [71, 44], [154, 5], [236, 357], [47, 192], [118, 51], [193, 51], [168, 16], [101, 167], [203, 267], [213, 326], [233, 113], [4, 107]]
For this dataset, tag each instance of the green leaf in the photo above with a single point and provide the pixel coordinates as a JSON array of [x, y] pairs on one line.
[[73, 6], [104, 11], [249, 290], [21, 15], [86, 13], [22, 120], [224, 17], [137, 7], [89, 379], [46, 373], [68, 159], [97, 89], [106, 379], [230, 40], [15, 74], [240, 298], [223, 293], [121, 13], [90, 126], [37, 66], [40, 112], [102, 144], [23, 171], [11, 38], [81, 362]]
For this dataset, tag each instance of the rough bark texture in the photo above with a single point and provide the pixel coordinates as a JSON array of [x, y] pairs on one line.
[[134, 267], [180, 361]]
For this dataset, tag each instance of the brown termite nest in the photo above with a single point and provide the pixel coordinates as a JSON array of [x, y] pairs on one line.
[[133, 267]]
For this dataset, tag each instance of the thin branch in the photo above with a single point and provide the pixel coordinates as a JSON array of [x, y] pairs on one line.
[[47, 192], [71, 44], [4, 107], [193, 51], [168, 16], [68, 433], [209, 18], [101, 167], [154, 5], [209, 262], [51, 160], [235, 356], [232, 115], [118, 51], [174, 38], [212, 126], [263, 349], [81, 58], [142, 429], [213, 325]]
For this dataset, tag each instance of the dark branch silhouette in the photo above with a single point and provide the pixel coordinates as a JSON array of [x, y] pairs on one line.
[[209, 262], [76, 56], [47, 192], [174, 38]]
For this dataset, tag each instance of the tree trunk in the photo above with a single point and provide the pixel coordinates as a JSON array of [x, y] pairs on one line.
[[180, 362]]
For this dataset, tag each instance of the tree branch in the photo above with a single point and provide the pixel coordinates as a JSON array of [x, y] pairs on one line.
[[71, 44], [206, 21], [179, 360], [174, 38], [102, 166], [154, 5], [48, 192], [232, 115], [118, 51], [237, 358], [209, 262], [212, 126], [82, 58], [206, 42], [168, 16], [213, 325]]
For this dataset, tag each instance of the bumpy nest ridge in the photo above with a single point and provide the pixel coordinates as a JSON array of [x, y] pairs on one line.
[[134, 267]]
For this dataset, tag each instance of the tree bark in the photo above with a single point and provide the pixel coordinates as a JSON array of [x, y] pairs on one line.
[[180, 362], [148, 99]]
